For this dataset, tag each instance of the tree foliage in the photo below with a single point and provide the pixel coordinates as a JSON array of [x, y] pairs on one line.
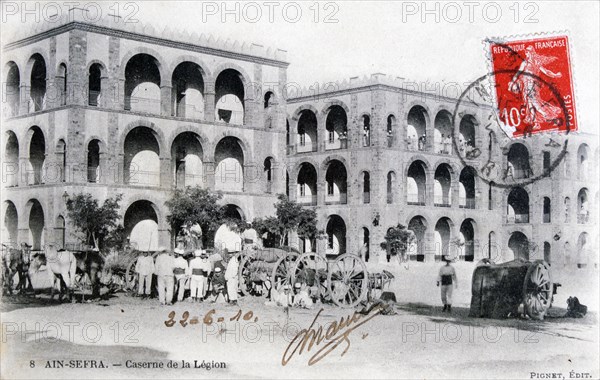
[[196, 205], [97, 224], [289, 216], [397, 240]]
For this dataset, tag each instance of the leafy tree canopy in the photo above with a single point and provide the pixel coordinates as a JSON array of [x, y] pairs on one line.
[[196, 205], [290, 216], [397, 240], [97, 224]]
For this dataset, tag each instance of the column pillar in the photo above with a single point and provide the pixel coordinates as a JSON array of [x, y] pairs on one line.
[[166, 179], [25, 91], [209, 106], [165, 100]]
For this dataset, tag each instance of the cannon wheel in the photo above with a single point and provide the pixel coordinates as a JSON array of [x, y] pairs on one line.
[[310, 268], [348, 280], [283, 270], [537, 290]]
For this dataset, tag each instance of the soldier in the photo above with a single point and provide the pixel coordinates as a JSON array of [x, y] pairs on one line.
[[164, 270], [231, 276], [195, 273], [218, 284], [447, 278], [144, 267], [180, 271]]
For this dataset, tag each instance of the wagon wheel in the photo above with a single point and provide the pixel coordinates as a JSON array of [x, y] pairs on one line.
[[244, 273], [131, 278], [537, 290], [311, 268], [348, 280], [282, 271]]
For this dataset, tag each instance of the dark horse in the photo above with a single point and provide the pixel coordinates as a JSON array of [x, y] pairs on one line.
[[15, 261], [89, 267]]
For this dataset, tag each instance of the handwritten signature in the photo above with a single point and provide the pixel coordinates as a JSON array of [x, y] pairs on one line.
[[336, 334]]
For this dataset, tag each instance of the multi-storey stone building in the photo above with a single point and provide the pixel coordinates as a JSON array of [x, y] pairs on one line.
[[106, 109]]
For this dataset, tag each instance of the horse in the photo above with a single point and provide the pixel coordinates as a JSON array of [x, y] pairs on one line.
[[13, 263], [61, 266], [90, 264]]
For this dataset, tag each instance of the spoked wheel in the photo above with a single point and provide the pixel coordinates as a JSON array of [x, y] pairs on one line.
[[131, 278], [244, 273], [282, 272], [311, 269], [537, 290], [347, 281]]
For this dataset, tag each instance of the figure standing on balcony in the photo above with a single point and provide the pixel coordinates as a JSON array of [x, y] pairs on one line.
[[447, 145], [510, 171], [422, 141]]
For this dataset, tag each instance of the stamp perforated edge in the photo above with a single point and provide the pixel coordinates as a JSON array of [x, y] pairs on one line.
[[536, 35]]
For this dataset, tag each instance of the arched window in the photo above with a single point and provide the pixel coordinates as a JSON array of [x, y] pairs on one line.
[[391, 124], [366, 131], [268, 169], [62, 81], [229, 97], [93, 161], [518, 206], [37, 84], [546, 216], [366, 185], [94, 84], [567, 210], [188, 91], [391, 184], [61, 155], [13, 90]]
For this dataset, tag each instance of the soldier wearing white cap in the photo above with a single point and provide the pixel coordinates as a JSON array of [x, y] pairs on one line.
[[199, 270], [164, 270], [144, 267], [180, 270]]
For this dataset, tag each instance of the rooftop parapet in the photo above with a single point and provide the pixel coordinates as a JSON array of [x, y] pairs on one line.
[[114, 22]]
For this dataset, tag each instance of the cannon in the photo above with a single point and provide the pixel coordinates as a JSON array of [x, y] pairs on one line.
[[498, 290]]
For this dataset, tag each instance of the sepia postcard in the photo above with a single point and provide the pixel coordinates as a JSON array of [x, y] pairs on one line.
[[299, 189]]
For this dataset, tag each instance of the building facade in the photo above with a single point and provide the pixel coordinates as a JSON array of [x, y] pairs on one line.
[[106, 108]]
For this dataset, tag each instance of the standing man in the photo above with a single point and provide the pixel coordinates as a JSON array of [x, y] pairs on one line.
[[195, 273], [180, 271], [447, 278], [206, 268], [164, 270], [231, 276], [144, 267]]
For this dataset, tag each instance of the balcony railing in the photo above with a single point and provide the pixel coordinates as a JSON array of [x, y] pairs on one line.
[[336, 199], [143, 178], [306, 147], [10, 110], [93, 98], [518, 218], [366, 197], [269, 189], [136, 104], [307, 200], [390, 198], [467, 203], [93, 174], [390, 141], [546, 218], [336, 144], [188, 180], [414, 199], [189, 111]]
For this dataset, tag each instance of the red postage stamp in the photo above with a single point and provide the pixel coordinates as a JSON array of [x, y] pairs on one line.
[[534, 85]]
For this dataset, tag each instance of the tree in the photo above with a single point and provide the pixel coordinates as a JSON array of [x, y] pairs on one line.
[[397, 240], [97, 224], [196, 205], [290, 216]]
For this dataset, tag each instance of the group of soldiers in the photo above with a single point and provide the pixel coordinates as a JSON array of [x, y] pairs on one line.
[[215, 280]]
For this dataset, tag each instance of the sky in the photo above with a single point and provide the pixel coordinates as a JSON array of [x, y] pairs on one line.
[[419, 41]]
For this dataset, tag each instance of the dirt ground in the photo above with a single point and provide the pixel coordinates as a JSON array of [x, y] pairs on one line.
[[420, 341]]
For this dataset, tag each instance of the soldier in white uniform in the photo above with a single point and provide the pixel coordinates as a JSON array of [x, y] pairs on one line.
[[231, 276], [164, 271], [447, 279], [180, 270], [199, 269], [144, 267]]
